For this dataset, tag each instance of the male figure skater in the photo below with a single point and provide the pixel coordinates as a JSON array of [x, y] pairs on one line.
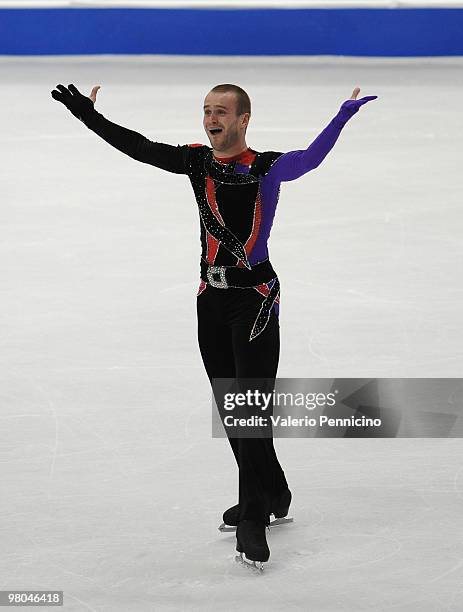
[[236, 190]]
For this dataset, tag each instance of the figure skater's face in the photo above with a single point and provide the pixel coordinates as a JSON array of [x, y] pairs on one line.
[[223, 126]]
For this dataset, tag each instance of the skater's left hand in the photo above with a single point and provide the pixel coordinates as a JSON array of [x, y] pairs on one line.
[[351, 106]]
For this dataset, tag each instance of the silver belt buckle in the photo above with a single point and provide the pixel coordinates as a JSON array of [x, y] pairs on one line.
[[220, 271]]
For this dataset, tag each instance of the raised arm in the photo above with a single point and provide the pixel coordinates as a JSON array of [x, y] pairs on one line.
[[294, 164], [164, 156]]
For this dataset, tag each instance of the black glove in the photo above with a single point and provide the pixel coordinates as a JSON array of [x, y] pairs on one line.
[[79, 105]]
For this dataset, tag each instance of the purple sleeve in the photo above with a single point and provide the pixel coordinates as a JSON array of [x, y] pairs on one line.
[[294, 164]]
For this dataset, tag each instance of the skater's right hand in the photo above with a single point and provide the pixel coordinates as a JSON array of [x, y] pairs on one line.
[[78, 104]]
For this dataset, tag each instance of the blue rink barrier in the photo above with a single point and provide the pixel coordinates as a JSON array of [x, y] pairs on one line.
[[362, 32]]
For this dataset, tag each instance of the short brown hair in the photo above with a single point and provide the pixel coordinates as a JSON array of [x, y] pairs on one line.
[[243, 103]]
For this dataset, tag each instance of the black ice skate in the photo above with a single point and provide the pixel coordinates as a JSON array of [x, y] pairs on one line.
[[252, 544], [281, 508]]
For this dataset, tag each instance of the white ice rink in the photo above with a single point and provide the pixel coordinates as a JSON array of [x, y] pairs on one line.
[[111, 485]]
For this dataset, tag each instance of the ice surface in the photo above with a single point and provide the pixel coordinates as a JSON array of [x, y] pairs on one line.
[[112, 488]]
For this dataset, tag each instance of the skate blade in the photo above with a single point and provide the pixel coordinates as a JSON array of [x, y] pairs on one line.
[[278, 521], [223, 527], [255, 566]]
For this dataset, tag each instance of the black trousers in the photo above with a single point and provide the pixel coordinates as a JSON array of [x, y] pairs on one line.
[[225, 320]]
